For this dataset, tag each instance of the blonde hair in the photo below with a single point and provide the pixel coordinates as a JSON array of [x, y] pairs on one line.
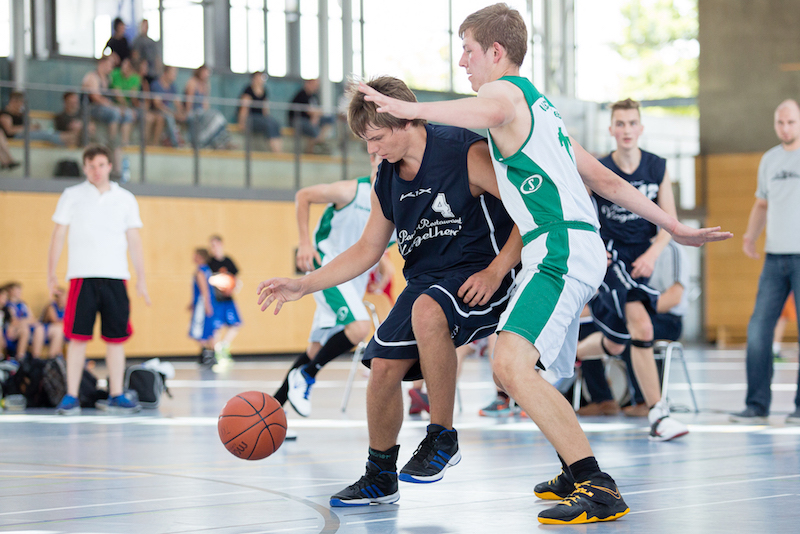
[[498, 24], [628, 103]]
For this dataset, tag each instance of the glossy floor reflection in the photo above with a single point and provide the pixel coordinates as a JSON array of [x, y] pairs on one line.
[[165, 470]]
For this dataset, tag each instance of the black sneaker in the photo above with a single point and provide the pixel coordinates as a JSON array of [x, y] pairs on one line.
[[437, 452], [207, 358], [596, 499], [376, 486], [556, 489]]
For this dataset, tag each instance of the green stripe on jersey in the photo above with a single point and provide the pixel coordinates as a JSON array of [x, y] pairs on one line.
[[537, 190], [337, 302]]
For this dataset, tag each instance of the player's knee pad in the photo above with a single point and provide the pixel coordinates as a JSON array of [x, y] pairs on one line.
[[642, 344]]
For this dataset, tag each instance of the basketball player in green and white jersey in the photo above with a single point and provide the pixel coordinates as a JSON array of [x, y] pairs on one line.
[[541, 174], [341, 320]]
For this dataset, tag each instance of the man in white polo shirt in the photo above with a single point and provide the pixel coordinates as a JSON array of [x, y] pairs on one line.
[[102, 221]]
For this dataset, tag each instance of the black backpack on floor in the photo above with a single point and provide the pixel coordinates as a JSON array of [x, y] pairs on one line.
[[148, 383]]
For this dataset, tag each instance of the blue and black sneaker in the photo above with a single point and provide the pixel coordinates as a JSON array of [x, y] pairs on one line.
[[120, 405], [593, 500], [69, 405], [556, 489], [375, 487], [437, 452]]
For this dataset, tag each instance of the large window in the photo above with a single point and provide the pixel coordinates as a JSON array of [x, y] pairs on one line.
[[184, 43], [5, 24], [247, 35]]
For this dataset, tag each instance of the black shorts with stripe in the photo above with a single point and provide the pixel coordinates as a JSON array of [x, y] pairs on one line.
[[89, 296], [619, 288], [394, 338]]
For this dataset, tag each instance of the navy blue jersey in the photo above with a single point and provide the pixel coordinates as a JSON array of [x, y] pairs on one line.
[[441, 227], [618, 223]]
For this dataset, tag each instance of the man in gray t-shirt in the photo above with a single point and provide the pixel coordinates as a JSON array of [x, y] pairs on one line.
[[776, 207]]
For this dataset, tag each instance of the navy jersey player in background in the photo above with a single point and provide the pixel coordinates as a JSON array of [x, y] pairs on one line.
[[624, 302], [459, 246]]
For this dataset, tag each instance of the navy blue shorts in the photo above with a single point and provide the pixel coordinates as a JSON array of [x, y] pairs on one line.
[[394, 339], [618, 288]]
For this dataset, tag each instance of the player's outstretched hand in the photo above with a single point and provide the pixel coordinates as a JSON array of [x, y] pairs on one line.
[[479, 288], [398, 108], [278, 290], [693, 237]]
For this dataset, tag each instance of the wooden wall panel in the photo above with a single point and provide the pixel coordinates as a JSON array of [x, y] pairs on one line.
[[731, 278], [260, 236]]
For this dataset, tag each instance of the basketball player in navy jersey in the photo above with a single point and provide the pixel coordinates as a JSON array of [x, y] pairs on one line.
[[624, 302], [459, 246]]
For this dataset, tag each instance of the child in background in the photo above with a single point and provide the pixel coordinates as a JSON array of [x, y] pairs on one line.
[[203, 325]]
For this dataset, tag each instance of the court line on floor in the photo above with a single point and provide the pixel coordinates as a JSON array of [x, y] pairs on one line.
[[712, 485], [698, 505]]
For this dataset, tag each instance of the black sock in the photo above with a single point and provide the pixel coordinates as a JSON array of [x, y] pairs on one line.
[[583, 469], [336, 345], [282, 394], [567, 471], [386, 460]]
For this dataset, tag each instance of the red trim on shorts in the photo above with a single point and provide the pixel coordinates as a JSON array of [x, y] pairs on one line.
[[69, 311]]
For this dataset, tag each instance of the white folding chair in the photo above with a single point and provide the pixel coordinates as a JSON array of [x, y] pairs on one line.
[[358, 354], [666, 350]]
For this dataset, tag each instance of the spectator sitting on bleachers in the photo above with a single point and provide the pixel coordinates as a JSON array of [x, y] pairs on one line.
[[23, 328], [256, 116], [52, 319], [311, 121], [5, 317], [207, 126], [12, 122], [118, 43], [69, 123], [143, 47], [171, 110], [102, 109], [7, 162]]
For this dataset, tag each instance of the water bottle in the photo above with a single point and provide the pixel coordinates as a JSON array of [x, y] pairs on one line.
[[126, 170]]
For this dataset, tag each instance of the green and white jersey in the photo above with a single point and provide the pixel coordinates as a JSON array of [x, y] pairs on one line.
[[539, 184], [338, 230]]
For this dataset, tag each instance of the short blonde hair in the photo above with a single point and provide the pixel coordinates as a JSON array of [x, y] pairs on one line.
[[628, 103], [498, 24]]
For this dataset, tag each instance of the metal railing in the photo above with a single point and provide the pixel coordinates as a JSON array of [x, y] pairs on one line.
[[342, 154]]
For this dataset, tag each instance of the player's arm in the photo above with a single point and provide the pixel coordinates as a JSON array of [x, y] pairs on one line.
[[338, 193], [137, 258], [205, 292], [53, 254], [670, 297], [610, 186], [644, 264], [359, 258], [492, 108], [755, 225], [480, 287]]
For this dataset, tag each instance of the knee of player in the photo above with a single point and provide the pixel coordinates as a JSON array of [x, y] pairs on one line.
[[357, 331], [612, 348], [387, 372], [426, 314], [641, 327]]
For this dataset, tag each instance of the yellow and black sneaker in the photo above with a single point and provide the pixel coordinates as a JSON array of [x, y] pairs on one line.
[[556, 489], [596, 499]]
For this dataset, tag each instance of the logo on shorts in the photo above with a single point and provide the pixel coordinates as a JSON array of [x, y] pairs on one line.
[[531, 184], [341, 313]]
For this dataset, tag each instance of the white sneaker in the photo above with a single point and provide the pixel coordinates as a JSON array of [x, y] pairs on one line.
[[299, 391], [662, 426]]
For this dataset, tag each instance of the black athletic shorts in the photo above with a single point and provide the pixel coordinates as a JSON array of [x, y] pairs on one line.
[[394, 338], [89, 296]]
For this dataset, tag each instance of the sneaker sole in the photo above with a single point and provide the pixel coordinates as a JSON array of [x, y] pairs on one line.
[[582, 519], [758, 420], [121, 411], [386, 499], [550, 496], [73, 411], [667, 438], [495, 413], [420, 479]]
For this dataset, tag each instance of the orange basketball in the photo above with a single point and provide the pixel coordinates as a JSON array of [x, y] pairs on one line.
[[223, 282], [252, 425]]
